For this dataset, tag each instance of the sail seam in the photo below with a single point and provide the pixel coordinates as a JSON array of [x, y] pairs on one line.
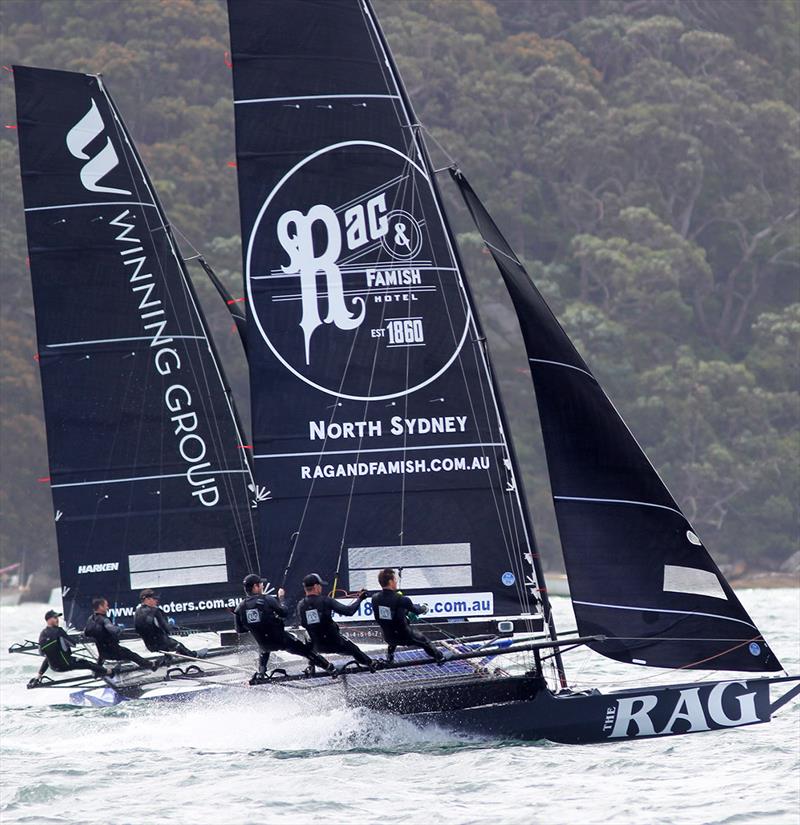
[[665, 610], [621, 501], [388, 290], [353, 270], [117, 340], [383, 450], [561, 364], [89, 203], [311, 97], [142, 478]]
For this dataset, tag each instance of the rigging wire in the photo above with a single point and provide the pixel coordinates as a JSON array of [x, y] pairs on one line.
[[417, 140]]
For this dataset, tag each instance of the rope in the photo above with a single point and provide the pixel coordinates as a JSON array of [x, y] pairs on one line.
[[639, 679]]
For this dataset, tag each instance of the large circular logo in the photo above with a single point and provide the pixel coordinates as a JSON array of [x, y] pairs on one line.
[[351, 279]]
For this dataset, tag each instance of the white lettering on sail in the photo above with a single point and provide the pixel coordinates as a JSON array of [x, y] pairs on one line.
[[177, 398], [96, 168], [321, 269], [295, 236], [356, 223], [421, 426], [106, 567], [446, 464], [398, 426], [346, 429]]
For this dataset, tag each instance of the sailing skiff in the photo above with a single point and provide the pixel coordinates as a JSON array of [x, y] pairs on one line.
[[379, 436]]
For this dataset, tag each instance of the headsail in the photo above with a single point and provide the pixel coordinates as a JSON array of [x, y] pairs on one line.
[[235, 308], [637, 570], [150, 482], [376, 426]]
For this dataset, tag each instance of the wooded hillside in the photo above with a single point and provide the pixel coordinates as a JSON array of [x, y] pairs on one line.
[[641, 155]]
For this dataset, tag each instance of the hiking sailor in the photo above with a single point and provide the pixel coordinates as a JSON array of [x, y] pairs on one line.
[[105, 634], [316, 615], [263, 616], [391, 610], [56, 647], [152, 624]]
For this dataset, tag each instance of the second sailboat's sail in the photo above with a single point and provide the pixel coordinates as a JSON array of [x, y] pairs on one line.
[[150, 482], [638, 572], [376, 428]]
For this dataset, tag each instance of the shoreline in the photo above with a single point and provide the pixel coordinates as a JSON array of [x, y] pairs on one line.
[[765, 580]]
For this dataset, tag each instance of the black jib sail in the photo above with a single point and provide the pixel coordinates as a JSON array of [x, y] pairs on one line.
[[637, 570], [150, 481], [376, 427]]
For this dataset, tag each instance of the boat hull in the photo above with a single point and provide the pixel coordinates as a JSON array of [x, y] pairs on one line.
[[593, 717], [515, 707]]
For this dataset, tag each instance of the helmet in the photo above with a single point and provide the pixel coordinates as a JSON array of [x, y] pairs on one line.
[[250, 581]]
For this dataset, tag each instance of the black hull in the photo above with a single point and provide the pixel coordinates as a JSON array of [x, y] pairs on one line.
[[503, 707], [523, 708]]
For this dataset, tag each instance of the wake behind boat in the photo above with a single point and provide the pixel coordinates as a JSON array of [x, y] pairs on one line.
[[379, 436]]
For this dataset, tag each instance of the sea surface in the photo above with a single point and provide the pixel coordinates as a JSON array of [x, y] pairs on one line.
[[278, 759]]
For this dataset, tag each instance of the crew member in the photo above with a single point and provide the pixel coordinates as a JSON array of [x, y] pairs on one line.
[[263, 616], [316, 615], [391, 610], [56, 647], [152, 624], [105, 634]]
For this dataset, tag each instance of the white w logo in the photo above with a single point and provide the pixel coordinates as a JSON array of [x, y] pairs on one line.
[[79, 137]]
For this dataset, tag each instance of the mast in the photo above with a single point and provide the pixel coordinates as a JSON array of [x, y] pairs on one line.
[[481, 342]]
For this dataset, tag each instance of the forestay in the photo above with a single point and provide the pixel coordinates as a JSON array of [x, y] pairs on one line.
[[376, 427], [149, 478], [637, 570]]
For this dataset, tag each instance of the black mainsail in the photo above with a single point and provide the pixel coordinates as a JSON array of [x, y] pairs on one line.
[[376, 425], [151, 484], [637, 570]]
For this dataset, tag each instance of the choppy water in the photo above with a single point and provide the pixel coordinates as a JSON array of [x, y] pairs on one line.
[[280, 760]]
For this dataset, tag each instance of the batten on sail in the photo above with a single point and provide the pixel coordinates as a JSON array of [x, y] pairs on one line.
[[144, 445], [637, 571]]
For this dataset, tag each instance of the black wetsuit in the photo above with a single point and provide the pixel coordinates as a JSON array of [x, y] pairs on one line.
[[263, 617], [105, 634], [316, 616], [55, 646], [391, 611], [152, 624]]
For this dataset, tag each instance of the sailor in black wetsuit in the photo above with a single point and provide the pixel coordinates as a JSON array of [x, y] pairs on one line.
[[105, 634], [391, 610], [55, 646], [263, 616], [316, 615], [152, 624]]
